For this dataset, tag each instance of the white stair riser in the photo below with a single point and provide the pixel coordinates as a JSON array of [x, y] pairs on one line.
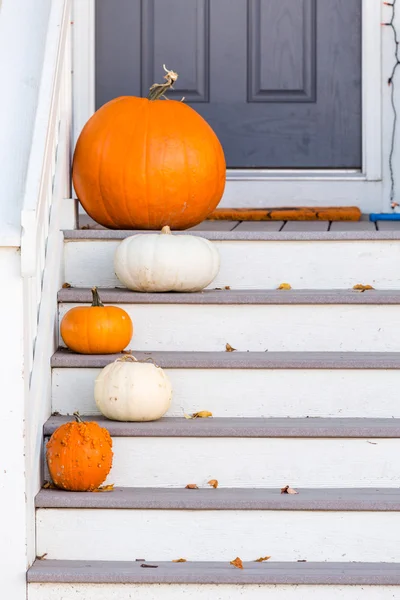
[[218, 535], [46, 591], [262, 265], [255, 462], [253, 393], [169, 327]]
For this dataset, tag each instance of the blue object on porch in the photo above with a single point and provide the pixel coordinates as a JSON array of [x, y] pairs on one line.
[[384, 217]]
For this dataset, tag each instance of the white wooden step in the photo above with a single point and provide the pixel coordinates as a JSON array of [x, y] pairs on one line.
[[257, 321], [259, 260], [253, 453], [250, 384], [73, 580], [217, 535], [93, 591]]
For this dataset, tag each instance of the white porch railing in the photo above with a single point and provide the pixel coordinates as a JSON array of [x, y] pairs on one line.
[[46, 203]]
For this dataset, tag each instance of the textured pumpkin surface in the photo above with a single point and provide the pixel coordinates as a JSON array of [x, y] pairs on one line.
[[142, 164], [96, 329], [79, 456]]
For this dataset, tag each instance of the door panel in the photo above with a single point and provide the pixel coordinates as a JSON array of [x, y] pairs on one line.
[[278, 80]]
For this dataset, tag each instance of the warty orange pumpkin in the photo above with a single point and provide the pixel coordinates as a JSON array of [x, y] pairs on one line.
[[142, 163], [79, 456], [96, 329]]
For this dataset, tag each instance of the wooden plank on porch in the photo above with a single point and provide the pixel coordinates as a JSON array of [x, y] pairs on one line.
[[353, 226], [305, 226], [257, 226]]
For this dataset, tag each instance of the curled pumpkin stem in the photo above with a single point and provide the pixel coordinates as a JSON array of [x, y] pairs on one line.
[[96, 298], [77, 417], [131, 358], [166, 229], [158, 90]]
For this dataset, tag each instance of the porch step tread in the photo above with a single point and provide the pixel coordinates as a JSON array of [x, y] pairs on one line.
[[248, 234], [245, 427], [301, 573], [333, 499], [63, 358], [124, 296]]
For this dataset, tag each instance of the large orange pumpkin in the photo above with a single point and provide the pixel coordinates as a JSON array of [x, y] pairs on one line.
[[96, 329], [144, 163], [79, 456]]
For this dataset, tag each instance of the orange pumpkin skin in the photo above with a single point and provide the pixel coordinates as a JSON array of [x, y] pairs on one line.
[[143, 164], [96, 329], [79, 456]]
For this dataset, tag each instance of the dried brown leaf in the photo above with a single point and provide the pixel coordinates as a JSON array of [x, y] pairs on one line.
[[191, 486], [105, 488], [48, 485], [66, 285], [179, 560], [42, 556], [146, 566], [262, 558], [213, 483], [229, 348], [284, 286], [203, 414], [237, 563], [227, 287], [362, 288], [288, 490]]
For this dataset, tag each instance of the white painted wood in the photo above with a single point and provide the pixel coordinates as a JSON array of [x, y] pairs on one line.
[[83, 63], [253, 393], [45, 591], [255, 462], [23, 26], [218, 535], [266, 188], [262, 265], [255, 328], [13, 559], [52, 104]]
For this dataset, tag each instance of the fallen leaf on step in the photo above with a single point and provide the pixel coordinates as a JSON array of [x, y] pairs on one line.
[[146, 566], [362, 288], [105, 488], [228, 348], [227, 287], [213, 483], [66, 285], [85, 227], [302, 560], [48, 485], [42, 556], [191, 486], [284, 286], [203, 414], [217, 288], [179, 560], [262, 559], [288, 490], [237, 563]]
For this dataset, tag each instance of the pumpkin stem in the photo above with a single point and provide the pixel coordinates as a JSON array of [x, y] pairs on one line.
[[158, 90], [77, 417], [166, 229], [96, 298], [127, 358]]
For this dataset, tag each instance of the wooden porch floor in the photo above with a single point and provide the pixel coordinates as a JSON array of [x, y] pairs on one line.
[[364, 225]]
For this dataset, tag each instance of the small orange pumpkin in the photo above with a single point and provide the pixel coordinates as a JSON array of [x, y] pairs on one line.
[[96, 329], [79, 456], [142, 163]]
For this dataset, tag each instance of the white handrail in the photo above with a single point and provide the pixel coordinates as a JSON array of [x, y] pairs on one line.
[[44, 135]]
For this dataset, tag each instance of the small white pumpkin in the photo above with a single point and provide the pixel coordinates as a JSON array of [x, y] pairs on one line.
[[129, 390], [161, 262]]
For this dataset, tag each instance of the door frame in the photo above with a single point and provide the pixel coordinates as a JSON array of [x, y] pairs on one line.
[[367, 187]]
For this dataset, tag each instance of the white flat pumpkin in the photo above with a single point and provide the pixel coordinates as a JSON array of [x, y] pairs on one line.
[[162, 262], [129, 390]]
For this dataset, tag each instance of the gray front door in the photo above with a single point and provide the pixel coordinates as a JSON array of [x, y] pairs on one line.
[[278, 80]]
